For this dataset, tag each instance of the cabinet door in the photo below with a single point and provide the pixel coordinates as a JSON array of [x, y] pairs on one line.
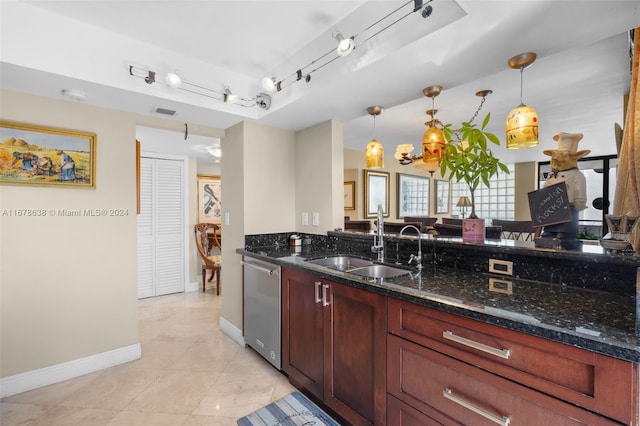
[[302, 346], [355, 346]]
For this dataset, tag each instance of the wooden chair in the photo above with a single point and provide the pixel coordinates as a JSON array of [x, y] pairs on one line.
[[426, 221], [203, 233], [357, 225], [447, 230], [396, 227]]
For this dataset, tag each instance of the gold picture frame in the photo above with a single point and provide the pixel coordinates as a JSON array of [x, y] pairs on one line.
[[209, 199], [350, 195], [376, 192], [46, 156]]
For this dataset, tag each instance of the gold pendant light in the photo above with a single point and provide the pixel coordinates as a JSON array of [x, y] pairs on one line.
[[374, 152], [522, 123]]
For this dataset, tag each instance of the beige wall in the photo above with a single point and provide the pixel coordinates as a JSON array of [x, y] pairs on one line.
[[258, 174], [526, 181], [319, 177], [68, 284]]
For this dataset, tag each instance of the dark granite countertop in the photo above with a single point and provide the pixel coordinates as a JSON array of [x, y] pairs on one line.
[[593, 320]]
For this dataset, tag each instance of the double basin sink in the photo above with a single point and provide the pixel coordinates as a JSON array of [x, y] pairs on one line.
[[358, 266]]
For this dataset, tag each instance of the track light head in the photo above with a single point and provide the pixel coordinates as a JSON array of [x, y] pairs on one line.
[[426, 12], [173, 79], [150, 78], [228, 96], [269, 83], [345, 45]]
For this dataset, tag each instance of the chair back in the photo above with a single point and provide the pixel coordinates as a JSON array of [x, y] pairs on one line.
[[493, 232], [447, 230], [516, 229], [451, 221], [203, 233], [357, 225]]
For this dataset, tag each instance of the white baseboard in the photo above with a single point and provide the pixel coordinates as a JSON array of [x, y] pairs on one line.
[[34, 379], [192, 286], [232, 331]]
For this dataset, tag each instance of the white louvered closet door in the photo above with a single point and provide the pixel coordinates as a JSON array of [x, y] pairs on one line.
[[161, 248]]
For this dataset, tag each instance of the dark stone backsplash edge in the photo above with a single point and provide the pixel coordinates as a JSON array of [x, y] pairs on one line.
[[606, 273]]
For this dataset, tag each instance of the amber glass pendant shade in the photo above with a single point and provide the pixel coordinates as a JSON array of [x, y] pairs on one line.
[[374, 155], [433, 142], [522, 128]]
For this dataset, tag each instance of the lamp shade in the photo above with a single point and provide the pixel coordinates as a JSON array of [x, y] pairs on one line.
[[522, 128], [464, 202], [429, 165], [374, 155], [433, 142]]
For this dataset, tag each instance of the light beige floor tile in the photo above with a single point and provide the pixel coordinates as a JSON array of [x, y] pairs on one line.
[[235, 395], [115, 389], [211, 357], [12, 414], [52, 395], [249, 363], [174, 392], [71, 416], [211, 421], [138, 418], [158, 354]]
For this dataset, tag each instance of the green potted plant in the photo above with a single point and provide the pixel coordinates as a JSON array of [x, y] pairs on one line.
[[469, 159]]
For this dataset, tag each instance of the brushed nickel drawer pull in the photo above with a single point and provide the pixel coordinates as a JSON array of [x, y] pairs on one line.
[[503, 421], [318, 299], [325, 290], [502, 353]]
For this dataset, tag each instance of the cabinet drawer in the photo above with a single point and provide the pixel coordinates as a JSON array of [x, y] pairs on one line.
[[436, 384], [402, 414], [593, 381]]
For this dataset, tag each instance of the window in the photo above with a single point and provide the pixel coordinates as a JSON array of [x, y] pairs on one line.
[[413, 195], [495, 202]]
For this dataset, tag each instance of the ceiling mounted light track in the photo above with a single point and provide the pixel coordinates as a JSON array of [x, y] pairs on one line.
[[174, 81], [346, 45]]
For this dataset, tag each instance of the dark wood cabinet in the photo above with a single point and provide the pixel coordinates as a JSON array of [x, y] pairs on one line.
[[340, 330], [433, 348], [302, 333]]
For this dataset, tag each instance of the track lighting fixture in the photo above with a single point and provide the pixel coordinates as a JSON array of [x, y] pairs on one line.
[[150, 78], [345, 45], [269, 83], [228, 96], [173, 79], [263, 100]]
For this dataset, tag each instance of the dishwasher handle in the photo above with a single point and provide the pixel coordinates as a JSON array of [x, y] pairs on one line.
[[262, 269]]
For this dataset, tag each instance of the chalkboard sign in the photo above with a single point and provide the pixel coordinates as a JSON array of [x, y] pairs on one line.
[[550, 205]]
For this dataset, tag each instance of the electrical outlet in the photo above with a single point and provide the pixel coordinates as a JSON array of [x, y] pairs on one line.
[[305, 219], [316, 219], [226, 218]]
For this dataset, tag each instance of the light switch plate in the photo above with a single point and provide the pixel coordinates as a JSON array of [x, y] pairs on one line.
[[305, 219], [316, 219]]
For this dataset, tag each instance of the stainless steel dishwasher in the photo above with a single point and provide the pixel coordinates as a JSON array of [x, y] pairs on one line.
[[262, 306]]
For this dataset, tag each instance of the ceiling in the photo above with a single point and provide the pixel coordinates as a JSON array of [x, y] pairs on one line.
[[576, 84]]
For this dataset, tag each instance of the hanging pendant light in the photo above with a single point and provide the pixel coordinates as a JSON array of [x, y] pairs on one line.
[[433, 139], [374, 152], [522, 123]]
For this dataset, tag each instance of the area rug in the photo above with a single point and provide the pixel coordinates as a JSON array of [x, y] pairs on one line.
[[292, 410]]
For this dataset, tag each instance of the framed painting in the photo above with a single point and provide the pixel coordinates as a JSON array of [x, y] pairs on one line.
[[350, 195], [46, 156], [412, 195], [442, 196], [376, 192], [209, 199]]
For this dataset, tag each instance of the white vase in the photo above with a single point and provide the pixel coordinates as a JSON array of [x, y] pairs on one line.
[[473, 230]]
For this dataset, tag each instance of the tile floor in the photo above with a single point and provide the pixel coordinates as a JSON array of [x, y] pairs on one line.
[[190, 374]]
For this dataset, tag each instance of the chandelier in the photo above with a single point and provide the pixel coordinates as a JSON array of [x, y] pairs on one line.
[[433, 139]]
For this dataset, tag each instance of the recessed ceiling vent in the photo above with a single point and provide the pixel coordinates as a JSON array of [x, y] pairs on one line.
[[165, 111]]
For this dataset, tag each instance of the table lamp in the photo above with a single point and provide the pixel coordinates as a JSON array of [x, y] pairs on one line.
[[464, 202]]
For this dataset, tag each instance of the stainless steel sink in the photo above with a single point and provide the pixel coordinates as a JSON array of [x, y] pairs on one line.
[[358, 266], [341, 263], [379, 271]]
